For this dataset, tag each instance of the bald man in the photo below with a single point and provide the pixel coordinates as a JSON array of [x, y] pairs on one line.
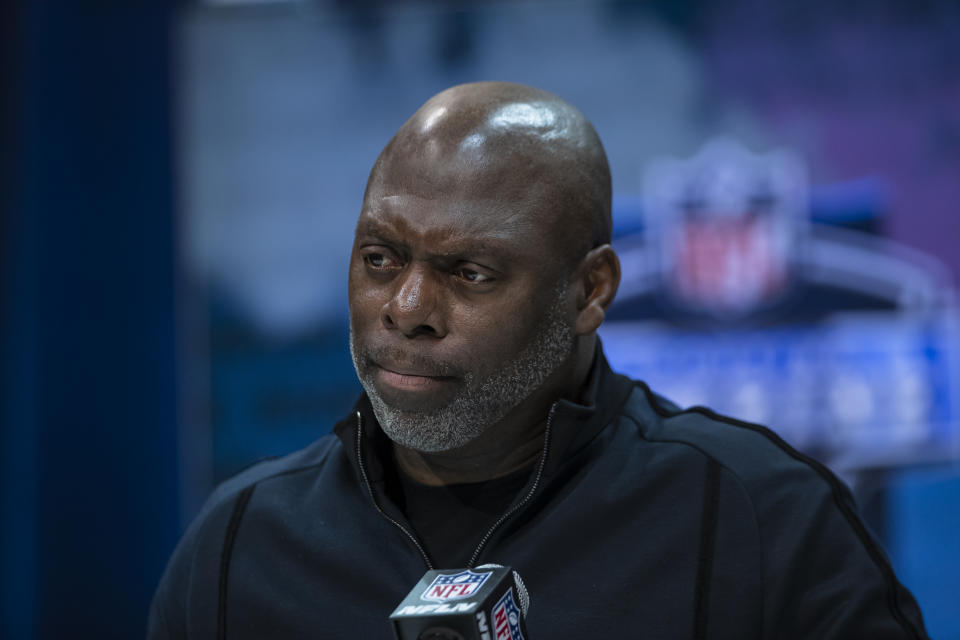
[[492, 430]]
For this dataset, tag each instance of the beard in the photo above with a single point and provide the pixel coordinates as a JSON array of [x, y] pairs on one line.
[[483, 399]]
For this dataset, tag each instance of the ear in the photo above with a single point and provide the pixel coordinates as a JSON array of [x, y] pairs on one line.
[[595, 281]]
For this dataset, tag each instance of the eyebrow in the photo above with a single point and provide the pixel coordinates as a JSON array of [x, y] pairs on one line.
[[474, 249], [467, 247]]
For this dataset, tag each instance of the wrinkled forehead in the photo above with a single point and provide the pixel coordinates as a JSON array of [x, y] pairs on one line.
[[456, 194], [516, 185], [476, 230], [460, 213]]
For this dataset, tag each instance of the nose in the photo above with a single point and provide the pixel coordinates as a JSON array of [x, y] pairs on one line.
[[413, 307]]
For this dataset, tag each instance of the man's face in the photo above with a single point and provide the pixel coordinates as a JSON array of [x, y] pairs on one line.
[[459, 310]]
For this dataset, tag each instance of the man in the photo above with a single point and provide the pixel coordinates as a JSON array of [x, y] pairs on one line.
[[492, 430]]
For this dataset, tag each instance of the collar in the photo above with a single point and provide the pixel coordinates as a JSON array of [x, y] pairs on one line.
[[576, 423]]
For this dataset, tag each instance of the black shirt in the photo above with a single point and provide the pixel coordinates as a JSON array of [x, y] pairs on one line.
[[451, 519]]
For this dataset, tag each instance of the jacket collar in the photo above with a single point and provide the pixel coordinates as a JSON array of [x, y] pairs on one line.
[[575, 422]]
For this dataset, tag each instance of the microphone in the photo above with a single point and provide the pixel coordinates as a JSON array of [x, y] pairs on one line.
[[489, 602]]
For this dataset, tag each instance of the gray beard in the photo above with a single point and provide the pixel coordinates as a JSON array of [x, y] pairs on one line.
[[482, 401]]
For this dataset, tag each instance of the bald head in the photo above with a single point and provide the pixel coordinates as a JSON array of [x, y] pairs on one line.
[[522, 147]]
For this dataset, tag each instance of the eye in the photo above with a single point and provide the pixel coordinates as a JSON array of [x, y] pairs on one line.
[[472, 275], [379, 259]]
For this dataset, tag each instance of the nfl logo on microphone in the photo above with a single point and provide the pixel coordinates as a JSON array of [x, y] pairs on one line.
[[506, 618], [455, 586]]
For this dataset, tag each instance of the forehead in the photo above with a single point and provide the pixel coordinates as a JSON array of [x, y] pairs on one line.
[[482, 225]]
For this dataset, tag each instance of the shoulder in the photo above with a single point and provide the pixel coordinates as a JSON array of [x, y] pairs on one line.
[[310, 458], [784, 489], [188, 583], [807, 527], [753, 453]]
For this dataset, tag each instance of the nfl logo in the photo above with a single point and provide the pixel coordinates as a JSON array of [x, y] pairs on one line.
[[455, 586], [506, 618], [728, 224]]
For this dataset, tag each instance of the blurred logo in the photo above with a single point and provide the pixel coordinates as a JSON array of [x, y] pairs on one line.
[[728, 223]]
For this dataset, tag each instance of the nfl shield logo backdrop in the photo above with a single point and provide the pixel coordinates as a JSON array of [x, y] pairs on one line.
[[455, 586]]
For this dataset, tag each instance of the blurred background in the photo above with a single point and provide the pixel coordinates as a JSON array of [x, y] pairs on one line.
[[180, 183]]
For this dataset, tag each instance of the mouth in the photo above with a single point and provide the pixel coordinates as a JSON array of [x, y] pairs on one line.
[[412, 389], [403, 378]]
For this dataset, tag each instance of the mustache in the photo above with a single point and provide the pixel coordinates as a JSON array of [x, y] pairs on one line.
[[394, 357]]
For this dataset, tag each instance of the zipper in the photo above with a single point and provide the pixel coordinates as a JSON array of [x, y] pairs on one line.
[[496, 525], [373, 498], [533, 489]]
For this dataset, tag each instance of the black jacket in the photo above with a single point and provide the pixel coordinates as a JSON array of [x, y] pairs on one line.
[[640, 521]]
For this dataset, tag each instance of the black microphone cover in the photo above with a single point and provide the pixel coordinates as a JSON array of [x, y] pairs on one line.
[[488, 602]]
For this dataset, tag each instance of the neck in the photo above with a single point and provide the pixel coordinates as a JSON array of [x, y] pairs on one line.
[[514, 443]]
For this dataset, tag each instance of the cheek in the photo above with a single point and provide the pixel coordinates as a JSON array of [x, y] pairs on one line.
[[365, 300], [493, 336]]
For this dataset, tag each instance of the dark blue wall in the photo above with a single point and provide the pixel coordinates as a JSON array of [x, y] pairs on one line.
[[89, 476]]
